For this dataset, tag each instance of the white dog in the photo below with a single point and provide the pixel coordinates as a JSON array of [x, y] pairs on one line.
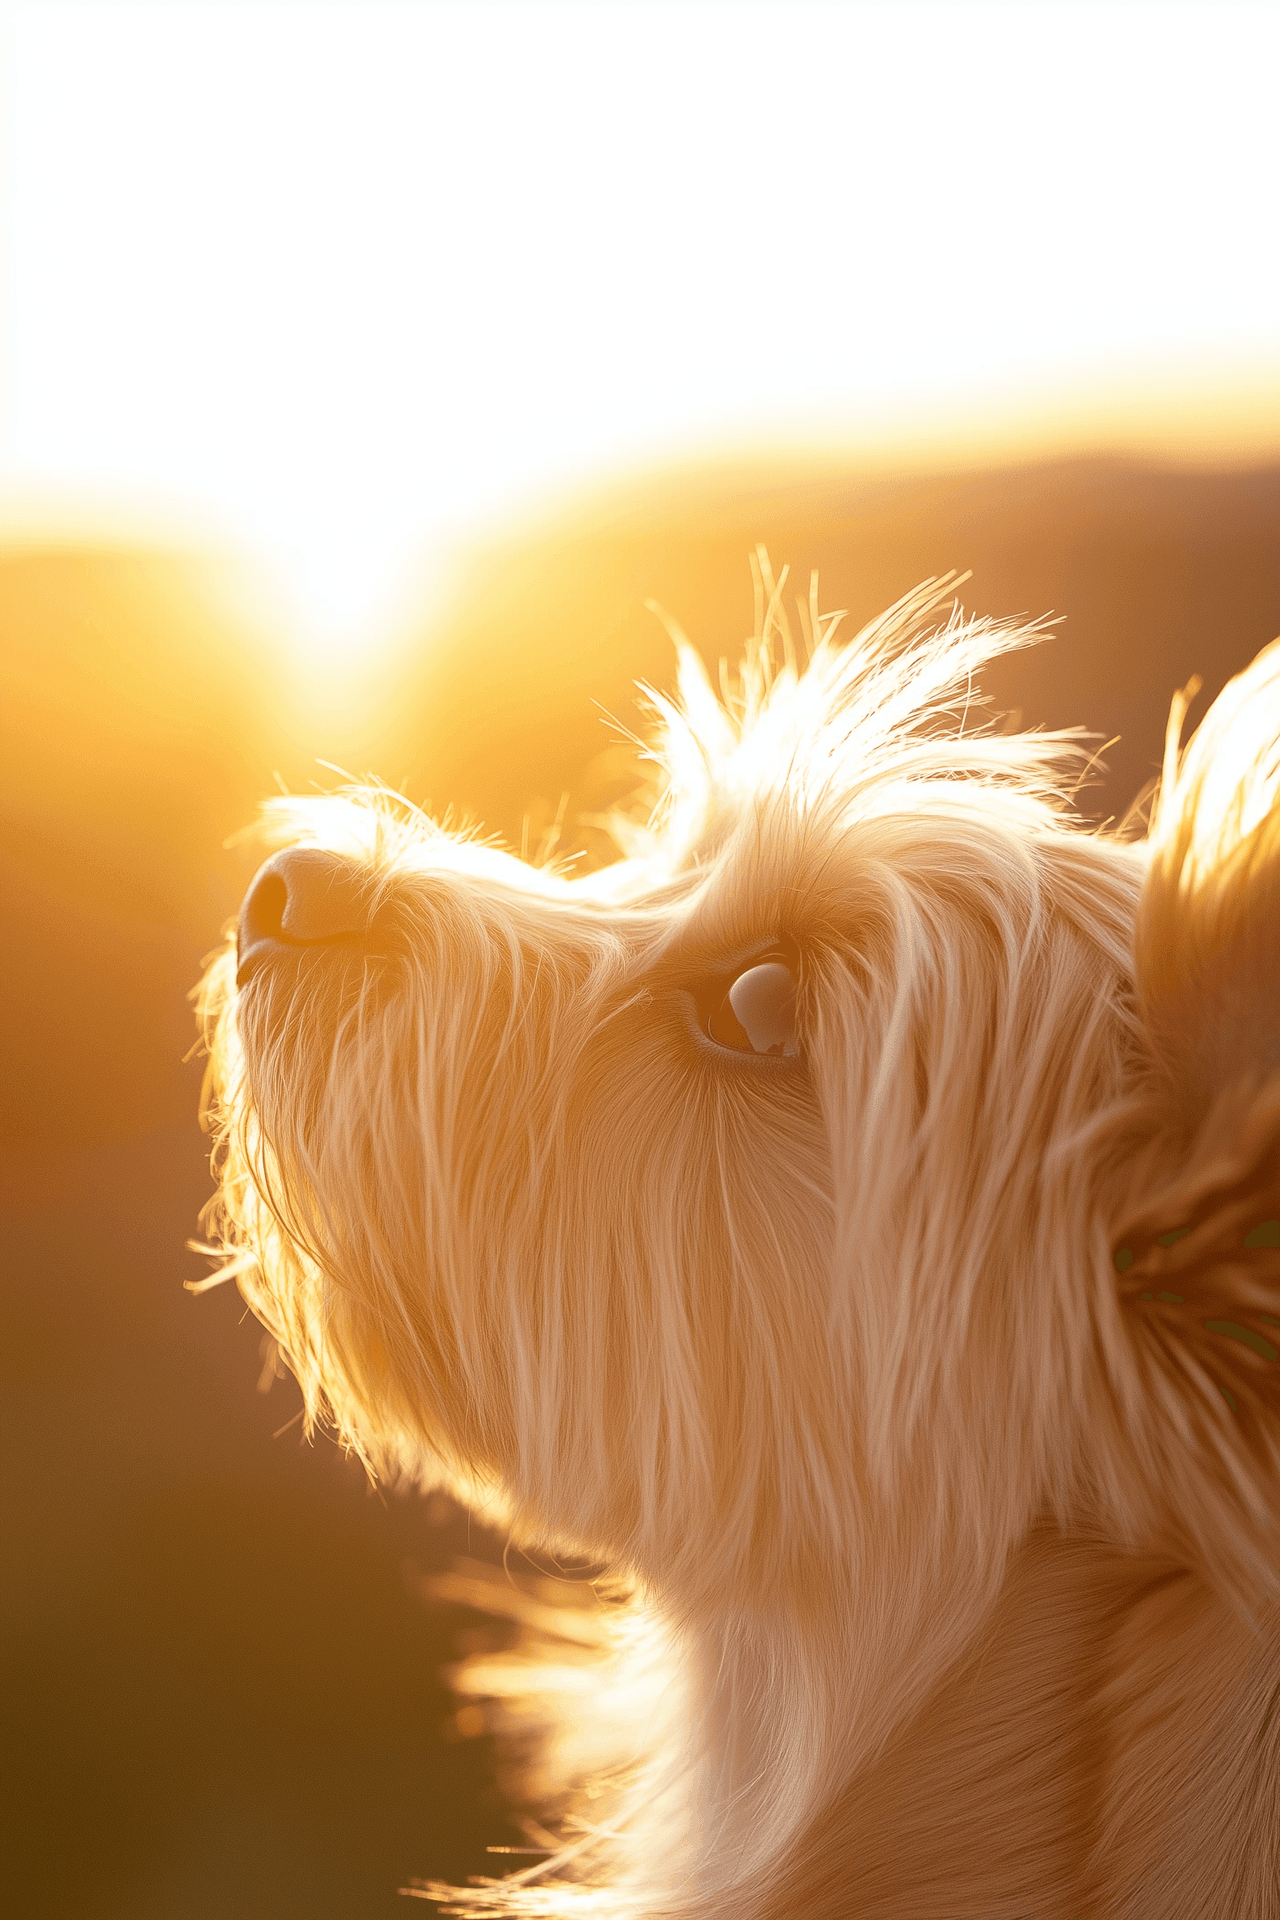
[[853, 1216]]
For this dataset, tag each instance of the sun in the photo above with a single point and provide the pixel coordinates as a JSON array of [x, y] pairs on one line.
[[344, 588], [340, 282]]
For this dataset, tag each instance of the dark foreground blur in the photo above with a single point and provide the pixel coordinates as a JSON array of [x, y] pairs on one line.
[[223, 1691]]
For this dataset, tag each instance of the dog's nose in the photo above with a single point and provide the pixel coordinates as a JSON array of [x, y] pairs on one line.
[[302, 898]]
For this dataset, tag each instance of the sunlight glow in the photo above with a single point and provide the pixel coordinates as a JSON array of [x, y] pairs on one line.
[[337, 281]]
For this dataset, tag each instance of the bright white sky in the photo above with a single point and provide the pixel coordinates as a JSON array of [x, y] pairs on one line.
[[335, 280]]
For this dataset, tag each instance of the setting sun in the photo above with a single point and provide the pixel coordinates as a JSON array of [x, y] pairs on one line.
[[337, 283]]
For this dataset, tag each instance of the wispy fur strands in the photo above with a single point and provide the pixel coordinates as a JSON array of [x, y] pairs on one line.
[[861, 1366]]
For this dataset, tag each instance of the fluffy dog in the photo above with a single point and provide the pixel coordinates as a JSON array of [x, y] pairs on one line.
[[852, 1214]]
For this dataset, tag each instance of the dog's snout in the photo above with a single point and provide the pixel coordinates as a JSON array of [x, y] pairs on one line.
[[302, 898]]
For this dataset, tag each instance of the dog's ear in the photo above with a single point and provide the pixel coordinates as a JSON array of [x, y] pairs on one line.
[[1197, 1254]]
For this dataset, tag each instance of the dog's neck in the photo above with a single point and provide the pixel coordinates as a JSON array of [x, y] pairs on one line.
[[1102, 1700]]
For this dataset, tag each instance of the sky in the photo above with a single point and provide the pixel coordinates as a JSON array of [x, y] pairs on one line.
[[335, 282]]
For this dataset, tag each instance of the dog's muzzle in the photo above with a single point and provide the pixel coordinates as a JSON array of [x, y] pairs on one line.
[[302, 898]]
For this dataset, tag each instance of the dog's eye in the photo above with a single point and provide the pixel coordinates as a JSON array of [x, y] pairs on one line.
[[758, 1014]]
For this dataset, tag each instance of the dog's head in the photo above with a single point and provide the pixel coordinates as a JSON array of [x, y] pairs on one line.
[[791, 1194]]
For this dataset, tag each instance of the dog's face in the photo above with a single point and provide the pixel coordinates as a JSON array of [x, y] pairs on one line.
[[745, 1209]]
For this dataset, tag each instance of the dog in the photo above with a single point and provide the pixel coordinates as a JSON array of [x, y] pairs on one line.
[[853, 1215]]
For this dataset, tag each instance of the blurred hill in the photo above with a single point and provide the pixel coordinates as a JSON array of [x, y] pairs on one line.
[[223, 1694]]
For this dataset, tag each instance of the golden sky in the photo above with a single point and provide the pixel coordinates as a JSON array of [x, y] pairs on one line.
[[336, 281]]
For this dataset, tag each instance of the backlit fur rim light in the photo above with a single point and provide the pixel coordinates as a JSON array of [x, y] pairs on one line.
[[834, 1361]]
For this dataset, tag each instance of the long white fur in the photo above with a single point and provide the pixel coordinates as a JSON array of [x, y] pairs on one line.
[[834, 1366]]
